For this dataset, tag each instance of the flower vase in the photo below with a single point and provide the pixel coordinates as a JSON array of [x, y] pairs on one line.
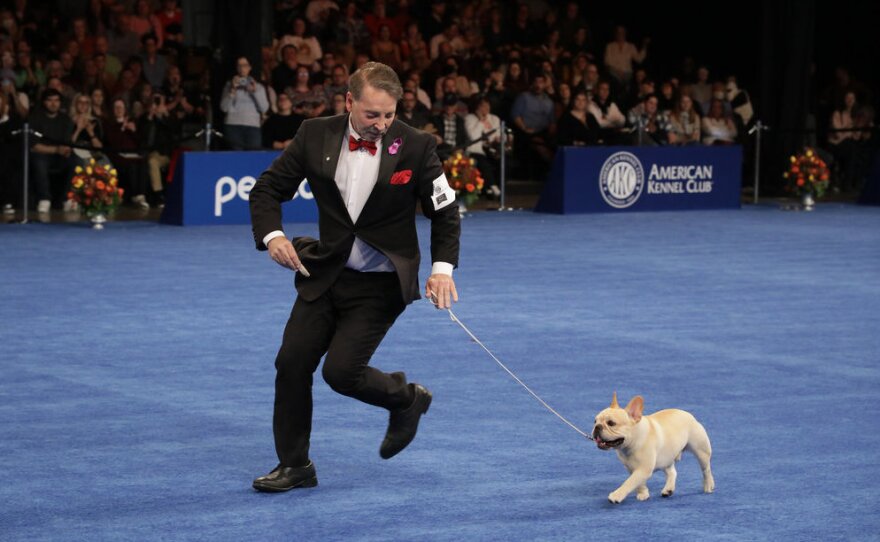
[[808, 202], [462, 207], [98, 221]]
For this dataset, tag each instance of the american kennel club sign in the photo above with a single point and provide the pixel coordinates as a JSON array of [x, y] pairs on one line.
[[610, 179]]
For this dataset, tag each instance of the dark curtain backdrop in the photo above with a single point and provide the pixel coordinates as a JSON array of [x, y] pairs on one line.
[[786, 83]]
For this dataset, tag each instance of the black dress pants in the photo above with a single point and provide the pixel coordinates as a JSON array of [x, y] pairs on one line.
[[346, 323]]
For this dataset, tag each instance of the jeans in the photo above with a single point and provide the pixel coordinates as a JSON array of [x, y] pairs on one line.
[[243, 137]]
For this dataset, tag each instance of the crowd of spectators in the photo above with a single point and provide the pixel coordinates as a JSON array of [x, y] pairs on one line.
[[118, 76]]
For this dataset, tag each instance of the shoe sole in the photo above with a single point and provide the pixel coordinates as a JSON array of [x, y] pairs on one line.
[[309, 482]]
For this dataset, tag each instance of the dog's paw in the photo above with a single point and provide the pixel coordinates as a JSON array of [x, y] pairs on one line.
[[667, 492], [616, 497], [643, 494], [708, 484]]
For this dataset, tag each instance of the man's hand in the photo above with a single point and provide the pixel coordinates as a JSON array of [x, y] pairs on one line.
[[440, 289], [281, 250]]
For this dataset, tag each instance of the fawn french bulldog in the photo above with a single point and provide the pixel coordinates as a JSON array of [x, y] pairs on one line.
[[651, 442]]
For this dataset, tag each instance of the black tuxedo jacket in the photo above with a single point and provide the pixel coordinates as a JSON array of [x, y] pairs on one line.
[[387, 221]]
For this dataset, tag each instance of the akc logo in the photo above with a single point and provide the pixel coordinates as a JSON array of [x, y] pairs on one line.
[[621, 180]]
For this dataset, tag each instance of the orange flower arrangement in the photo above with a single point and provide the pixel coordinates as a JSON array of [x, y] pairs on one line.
[[463, 177], [94, 188], [808, 174]]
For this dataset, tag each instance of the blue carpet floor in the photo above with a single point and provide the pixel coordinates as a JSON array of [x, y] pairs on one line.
[[136, 383]]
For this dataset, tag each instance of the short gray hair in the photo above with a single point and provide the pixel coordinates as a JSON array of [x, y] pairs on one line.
[[378, 76]]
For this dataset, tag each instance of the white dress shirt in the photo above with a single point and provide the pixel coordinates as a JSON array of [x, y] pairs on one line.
[[356, 175]]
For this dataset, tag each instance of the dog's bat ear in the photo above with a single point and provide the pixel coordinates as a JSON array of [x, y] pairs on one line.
[[635, 407], [614, 401]]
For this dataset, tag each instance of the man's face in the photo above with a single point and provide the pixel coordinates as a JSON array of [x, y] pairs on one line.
[[372, 114], [409, 102], [339, 77], [604, 92], [289, 55], [284, 104], [538, 85], [174, 76], [651, 106], [52, 104]]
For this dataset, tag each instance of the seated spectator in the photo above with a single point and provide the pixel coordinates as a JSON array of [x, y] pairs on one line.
[[607, 114], [87, 130], [122, 136], [308, 100], [50, 154], [650, 126], [845, 144], [717, 127], [98, 98], [484, 131], [413, 113], [143, 21], [338, 82], [28, 77], [177, 100], [308, 49], [159, 130], [123, 42], [684, 123], [450, 35], [414, 83], [451, 133], [337, 104], [667, 99], [577, 127], [154, 64], [385, 50], [414, 49], [563, 99], [533, 118], [701, 90], [169, 19], [279, 128], [517, 79], [244, 101], [284, 74], [351, 34], [718, 93], [378, 18]]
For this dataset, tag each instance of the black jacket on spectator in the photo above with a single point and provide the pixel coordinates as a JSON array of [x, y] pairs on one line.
[[570, 131], [281, 128]]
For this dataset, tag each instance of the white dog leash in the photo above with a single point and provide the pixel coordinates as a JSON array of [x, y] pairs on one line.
[[455, 319]]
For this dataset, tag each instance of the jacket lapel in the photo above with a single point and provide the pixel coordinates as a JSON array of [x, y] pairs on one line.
[[333, 144], [387, 164]]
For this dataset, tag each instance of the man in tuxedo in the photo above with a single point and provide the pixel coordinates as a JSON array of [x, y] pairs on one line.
[[367, 173]]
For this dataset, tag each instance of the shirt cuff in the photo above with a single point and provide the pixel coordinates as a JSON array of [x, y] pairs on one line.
[[441, 268], [272, 235]]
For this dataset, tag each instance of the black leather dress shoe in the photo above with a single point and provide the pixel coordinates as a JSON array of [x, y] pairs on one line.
[[287, 478], [403, 423]]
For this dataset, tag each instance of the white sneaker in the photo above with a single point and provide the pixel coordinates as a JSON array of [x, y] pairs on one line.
[[70, 205], [140, 201], [43, 206], [8, 209]]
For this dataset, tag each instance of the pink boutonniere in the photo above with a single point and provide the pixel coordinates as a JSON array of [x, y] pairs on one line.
[[395, 146]]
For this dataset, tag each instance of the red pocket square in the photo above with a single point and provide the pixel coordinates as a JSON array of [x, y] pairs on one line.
[[401, 177]]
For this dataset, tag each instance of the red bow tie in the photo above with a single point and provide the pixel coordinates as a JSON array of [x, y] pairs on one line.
[[355, 144]]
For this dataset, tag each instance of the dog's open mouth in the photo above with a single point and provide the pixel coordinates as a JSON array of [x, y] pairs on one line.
[[607, 444]]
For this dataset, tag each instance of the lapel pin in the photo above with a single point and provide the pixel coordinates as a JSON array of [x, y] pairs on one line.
[[395, 146]]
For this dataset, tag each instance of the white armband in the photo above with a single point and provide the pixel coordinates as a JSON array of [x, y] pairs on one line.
[[443, 195]]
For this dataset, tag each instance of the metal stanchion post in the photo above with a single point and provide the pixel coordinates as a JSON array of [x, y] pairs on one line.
[[757, 129], [25, 132], [503, 179], [208, 131]]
